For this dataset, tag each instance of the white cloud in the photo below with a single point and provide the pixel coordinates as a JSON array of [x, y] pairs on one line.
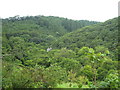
[[98, 10]]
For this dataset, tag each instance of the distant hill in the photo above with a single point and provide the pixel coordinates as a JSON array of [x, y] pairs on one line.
[[58, 32], [102, 34], [41, 29]]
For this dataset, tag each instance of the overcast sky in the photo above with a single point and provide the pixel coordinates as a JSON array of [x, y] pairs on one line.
[[95, 10]]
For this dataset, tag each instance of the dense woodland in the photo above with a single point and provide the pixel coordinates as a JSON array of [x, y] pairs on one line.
[[55, 52]]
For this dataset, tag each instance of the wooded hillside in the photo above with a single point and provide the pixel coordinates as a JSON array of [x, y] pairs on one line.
[[54, 52]]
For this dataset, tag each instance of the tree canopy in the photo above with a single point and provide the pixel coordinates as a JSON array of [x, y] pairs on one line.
[[55, 52]]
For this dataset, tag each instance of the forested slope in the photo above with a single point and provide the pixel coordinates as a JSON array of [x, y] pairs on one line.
[[79, 56], [40, 29], [102, 34]]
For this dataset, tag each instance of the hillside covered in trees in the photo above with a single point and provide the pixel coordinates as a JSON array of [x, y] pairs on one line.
[[102, 34], [54, 52]]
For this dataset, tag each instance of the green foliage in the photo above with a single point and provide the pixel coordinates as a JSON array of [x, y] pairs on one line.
[[82, 80], [82, 55], [87, 71], [112, 79], [15, 76], [71, 77], [53, 75], [102, 34]]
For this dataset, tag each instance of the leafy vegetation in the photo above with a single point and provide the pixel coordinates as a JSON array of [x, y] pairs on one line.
[[54, 52]]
